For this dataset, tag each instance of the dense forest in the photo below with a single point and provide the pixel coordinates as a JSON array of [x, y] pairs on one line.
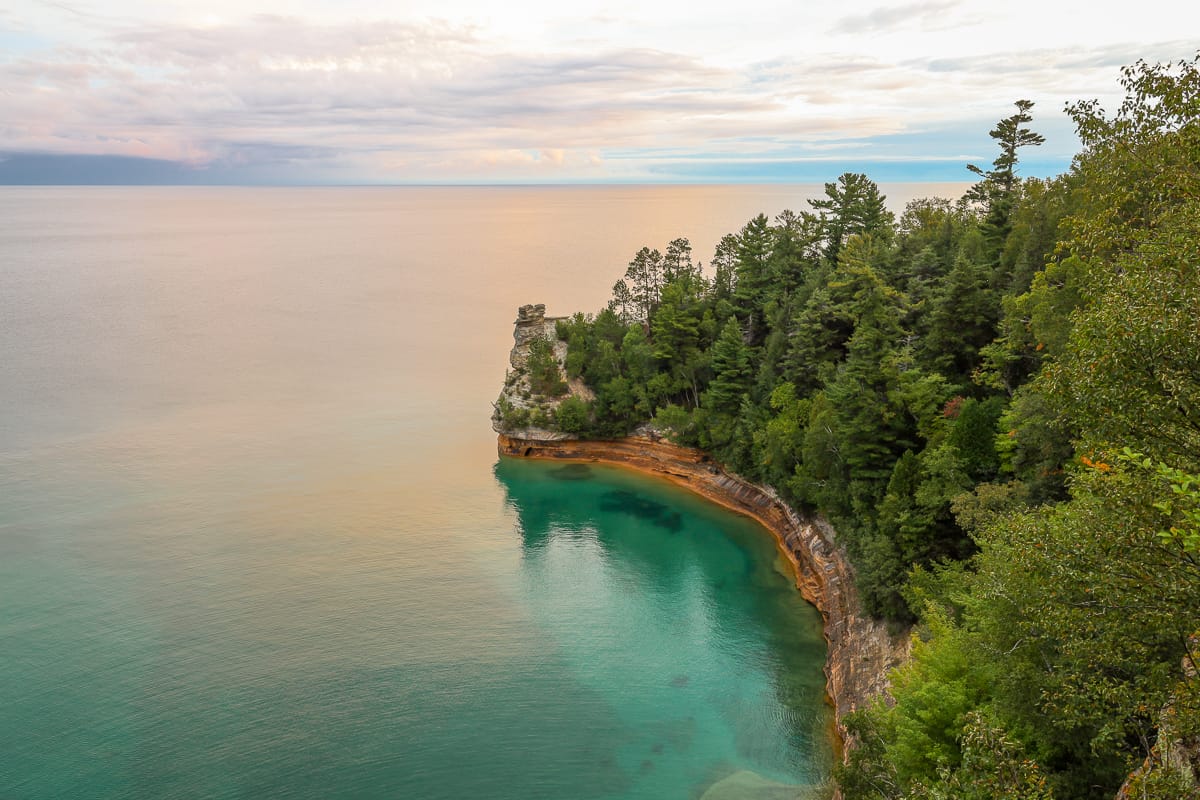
[[996, 401]]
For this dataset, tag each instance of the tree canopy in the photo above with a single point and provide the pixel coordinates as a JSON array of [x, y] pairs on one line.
[[996, 401]]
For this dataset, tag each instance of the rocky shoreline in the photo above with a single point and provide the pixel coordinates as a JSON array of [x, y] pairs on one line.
[[861, 651]]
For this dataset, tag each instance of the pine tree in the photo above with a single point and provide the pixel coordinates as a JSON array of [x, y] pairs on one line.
[[795, 249], [964, 315], [622, 303], [998, 188], [677, 262], [724, 262], [731, 371], [644, 280], [852, 205], [753, 274]]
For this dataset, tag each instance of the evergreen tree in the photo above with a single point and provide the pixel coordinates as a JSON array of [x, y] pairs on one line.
[[998, 189], [795, 249], [753, 275], [644, 281], [731, 371], [781, 439], [676, 335], [677, 262], [964, 314], [622, 303], [724, 262], [852, 205], [821, 331]]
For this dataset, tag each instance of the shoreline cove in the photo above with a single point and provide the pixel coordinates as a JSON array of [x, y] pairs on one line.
[[860, 652]]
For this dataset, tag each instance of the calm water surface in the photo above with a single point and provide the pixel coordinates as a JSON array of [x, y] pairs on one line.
[[255, 539]]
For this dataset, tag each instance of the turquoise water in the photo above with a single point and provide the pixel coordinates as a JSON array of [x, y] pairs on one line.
[[255, 540]]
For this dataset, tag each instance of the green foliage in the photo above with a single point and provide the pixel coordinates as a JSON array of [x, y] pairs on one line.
[[849, 294], [512, 417], [1131, 372], [1181, 507], [1140, 164], [994, 766], [1036, 325], [545, 378], [637, 294], [998, 189], [1011, 136], [973, 435], [1033, 445], [934, 692], [963, 313], [676, 333], [573, 416], [780, 441], [852, 205], [1035, 231], [724, 263], [731, 371], [927, 387], [1091, 651], [753, 274], [795, 250], [1082, 610], [678, 423]]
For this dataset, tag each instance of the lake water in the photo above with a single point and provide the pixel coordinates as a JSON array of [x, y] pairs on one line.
[[255, 540]]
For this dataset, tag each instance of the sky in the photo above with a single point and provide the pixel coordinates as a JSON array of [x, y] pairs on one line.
[[532, 91]]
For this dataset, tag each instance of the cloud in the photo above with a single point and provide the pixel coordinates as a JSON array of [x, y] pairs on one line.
[[888, 18], [226, 93], [1049, 63], [396, 101]]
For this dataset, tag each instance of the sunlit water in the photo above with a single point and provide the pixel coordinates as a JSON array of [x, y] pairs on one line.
[[255, 540]]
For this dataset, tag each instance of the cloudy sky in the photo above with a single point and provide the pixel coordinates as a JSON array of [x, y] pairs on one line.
[[480, 91]]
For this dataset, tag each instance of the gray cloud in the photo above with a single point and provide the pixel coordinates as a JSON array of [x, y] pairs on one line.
[[367, 88], [410, 101], [1059, 61]]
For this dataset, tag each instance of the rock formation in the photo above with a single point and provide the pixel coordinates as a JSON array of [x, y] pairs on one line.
[[530, 325], [520, 410]]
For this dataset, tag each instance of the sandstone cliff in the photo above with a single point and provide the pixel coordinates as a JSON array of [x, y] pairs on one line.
[[522, 410]]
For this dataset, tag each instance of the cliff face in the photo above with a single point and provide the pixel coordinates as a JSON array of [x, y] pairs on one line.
[[860, 649], [521, 410], [531, 324]]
